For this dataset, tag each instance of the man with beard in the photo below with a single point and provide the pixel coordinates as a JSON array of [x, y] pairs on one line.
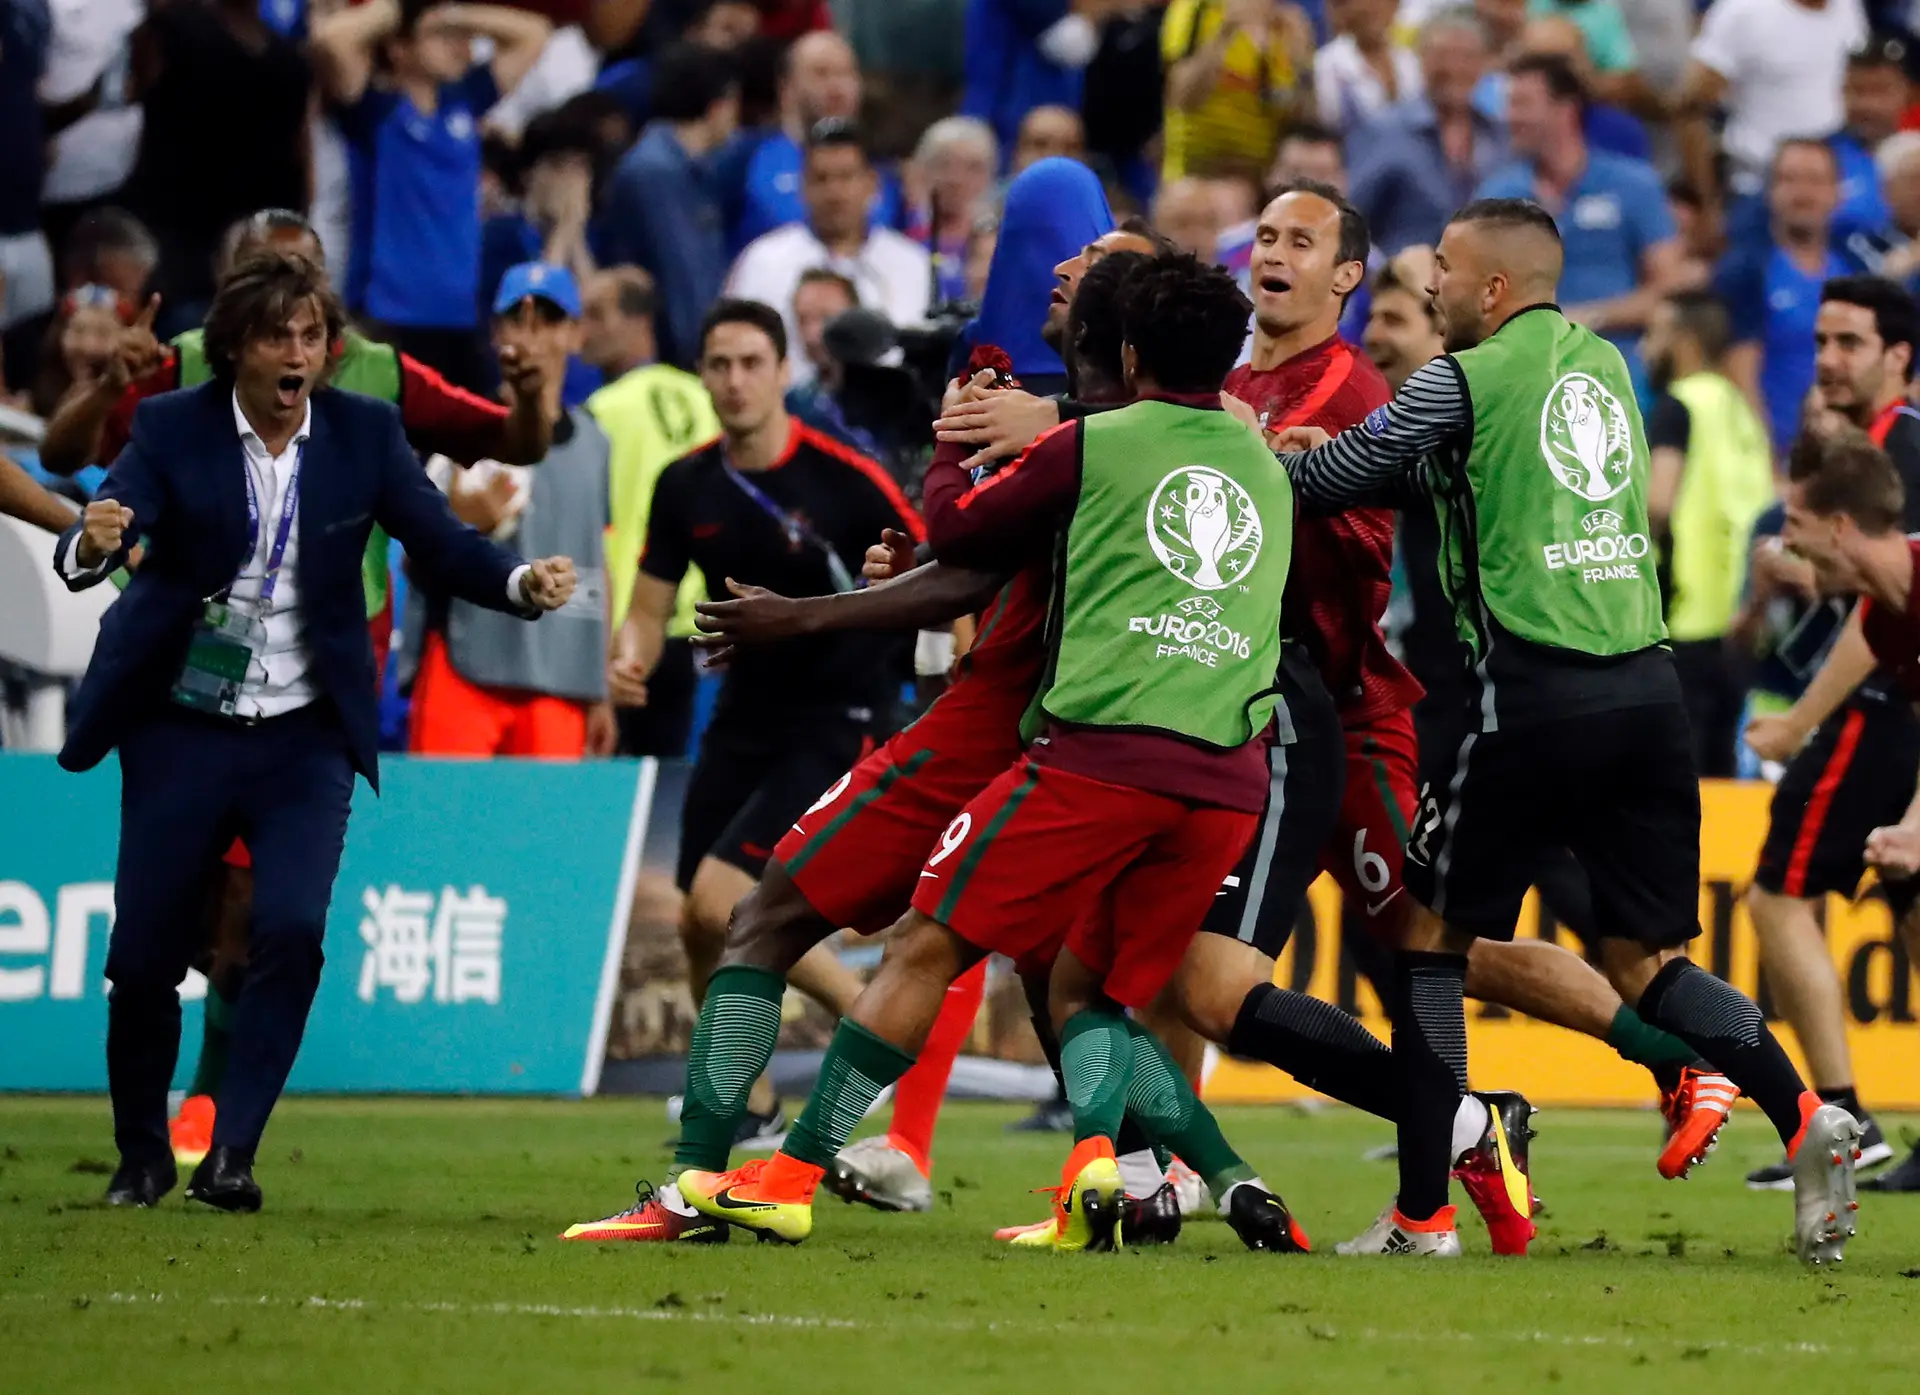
[[1851, 741], [1576, 736]]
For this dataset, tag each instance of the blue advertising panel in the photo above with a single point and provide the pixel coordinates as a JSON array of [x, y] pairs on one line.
[[473, 945]]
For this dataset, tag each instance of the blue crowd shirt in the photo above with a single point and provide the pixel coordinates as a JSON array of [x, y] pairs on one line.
[[1862, 209], [662, 211], [415, 256], [761, 173], [1401, 180], [1613, 214], [1773, 303]]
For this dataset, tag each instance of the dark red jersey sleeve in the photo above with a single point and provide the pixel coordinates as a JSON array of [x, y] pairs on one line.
[[442, 419], [118, 429], [1010, 516]]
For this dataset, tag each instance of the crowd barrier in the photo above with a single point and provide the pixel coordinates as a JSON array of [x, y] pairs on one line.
[[473, 944], [478, 922], [1552, 1066]]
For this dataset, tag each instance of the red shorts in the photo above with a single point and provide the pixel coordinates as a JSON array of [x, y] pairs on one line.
[[857, 852], [1368, 844], [1122, 876]]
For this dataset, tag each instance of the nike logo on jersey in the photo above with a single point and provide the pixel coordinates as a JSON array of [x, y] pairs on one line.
[[1375, 907], [934, 875]]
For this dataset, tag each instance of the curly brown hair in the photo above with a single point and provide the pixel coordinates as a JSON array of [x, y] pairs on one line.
[[258, 297]]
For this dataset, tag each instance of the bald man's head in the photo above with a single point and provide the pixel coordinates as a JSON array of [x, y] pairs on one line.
[[1496, 257], [821, 79]]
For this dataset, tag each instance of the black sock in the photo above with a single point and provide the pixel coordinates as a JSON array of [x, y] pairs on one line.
[[1319, 1046], [1430, 1054], [1723, 1024], [1848, 1100]]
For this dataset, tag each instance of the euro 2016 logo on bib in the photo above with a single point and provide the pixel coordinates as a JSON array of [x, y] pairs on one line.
[[1586, 437], [1203, 527]]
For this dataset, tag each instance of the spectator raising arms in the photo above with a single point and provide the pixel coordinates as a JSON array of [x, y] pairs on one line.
[[408, 97], [893, 274], [1776, 68], [1362, 71], [1234, 69], [663, 207]]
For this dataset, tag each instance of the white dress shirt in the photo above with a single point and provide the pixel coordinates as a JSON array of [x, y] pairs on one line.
[[1349, 92], [892, 273], [280, 678]]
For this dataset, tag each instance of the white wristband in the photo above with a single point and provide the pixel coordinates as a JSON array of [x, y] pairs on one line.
[[932, 653]]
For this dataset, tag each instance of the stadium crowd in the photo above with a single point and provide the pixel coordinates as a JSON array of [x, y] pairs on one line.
[[615, 260], [1709, 171]]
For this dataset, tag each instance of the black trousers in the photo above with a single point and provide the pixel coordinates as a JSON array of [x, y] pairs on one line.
[[189, 785]]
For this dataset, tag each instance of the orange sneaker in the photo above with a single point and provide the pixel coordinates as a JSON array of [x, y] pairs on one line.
[[191, 1130], [772, 1197], [1696, 1109]]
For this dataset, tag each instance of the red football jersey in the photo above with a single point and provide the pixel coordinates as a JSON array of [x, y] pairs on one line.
[[998, 675], [1894, 635], [1342, 569]]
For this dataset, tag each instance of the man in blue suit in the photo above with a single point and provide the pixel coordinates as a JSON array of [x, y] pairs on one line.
[[235, 678]]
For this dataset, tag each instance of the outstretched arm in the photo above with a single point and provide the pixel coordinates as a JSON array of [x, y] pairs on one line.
[[925, 598], [1379, 462]]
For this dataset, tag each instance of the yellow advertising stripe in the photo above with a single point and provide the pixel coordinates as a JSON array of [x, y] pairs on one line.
[[1555, 1067]]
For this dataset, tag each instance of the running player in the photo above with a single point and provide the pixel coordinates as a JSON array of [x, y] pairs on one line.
[[1851, 743], [440, 419], [770, 501], [853, 858], [1402, 335], [1845, 516], [1577, 736], [1144, 788]]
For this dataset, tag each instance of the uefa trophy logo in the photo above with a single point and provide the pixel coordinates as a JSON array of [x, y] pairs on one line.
[[1585, 437], [1203, 527]]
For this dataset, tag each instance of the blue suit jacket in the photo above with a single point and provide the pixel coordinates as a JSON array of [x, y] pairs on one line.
[[183, 475]]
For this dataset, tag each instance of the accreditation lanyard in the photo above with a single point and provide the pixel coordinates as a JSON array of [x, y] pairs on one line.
[[227, 642], [289, 508], [798, 533]]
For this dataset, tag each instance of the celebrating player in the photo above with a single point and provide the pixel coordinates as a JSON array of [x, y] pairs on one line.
[[1851, 743], [1144, 788], [1577, 737]]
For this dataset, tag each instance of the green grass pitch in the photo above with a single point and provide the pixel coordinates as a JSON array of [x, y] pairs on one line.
[[410, 1246]]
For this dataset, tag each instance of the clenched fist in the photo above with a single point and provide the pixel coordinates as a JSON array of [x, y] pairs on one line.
[[102, 528], [548, 583]]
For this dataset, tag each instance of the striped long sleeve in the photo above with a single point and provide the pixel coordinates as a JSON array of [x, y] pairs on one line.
[[1384, 462]]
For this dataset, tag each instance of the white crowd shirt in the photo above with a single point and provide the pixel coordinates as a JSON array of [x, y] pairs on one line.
[[892, 273], [1784, 65], [1347, 90]]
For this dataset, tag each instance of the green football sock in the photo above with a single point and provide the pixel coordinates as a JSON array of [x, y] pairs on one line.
[[732, 1043], [1159, 1095], [1096, 1059], [216, 1039], [857, 1067], [1646, 1045]]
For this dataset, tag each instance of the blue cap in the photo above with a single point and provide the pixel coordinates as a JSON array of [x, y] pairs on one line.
[[553, 284]]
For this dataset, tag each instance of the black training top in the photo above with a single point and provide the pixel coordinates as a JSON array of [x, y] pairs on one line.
[[776, 528]]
